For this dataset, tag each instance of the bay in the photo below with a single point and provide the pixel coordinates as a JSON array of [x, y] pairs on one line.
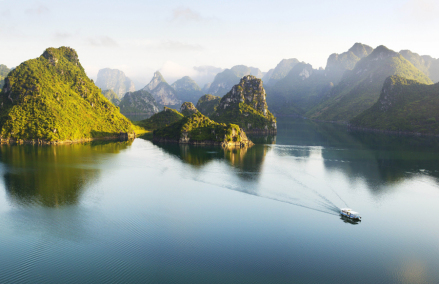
[[159, 213]]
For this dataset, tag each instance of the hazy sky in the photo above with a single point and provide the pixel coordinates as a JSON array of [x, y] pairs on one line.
[[140, 37]]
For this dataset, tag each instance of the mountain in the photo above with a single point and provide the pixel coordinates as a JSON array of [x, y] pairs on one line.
[[281, 70], [187, 90], [188, 109], [115, 80], [360, 88], [267, 76], [111, 96], [404, 106], [162, 119], [301, 89], [337, 64], [200, 130], [139, 102], [425, 63], [4, 71], [51, 98], [245, 105], [225, 80], [161, 91], [207, 104]]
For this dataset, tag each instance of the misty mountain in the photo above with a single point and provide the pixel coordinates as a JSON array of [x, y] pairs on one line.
[[115, 80], [111, 96], [187, 90], [162, 92], [425, 63], [301, 89], [360, 88], [225, 80], [280, 71], [337, 64]]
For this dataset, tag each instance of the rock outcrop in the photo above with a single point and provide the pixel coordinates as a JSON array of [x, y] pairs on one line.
[[115, 80], [4, 71], [188, 109], [246, 106]]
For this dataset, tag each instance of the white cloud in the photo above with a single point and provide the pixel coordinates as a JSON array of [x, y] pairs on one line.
[[173, 71]]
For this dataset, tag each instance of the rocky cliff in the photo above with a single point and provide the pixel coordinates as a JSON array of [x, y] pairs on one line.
[[139, 102], [188, 109], [246, 106], [115, 80], [225, 80]]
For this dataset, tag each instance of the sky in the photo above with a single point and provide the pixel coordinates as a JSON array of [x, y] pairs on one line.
[[140, 37]]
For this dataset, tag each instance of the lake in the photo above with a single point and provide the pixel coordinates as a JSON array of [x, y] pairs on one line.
[[165, 213]]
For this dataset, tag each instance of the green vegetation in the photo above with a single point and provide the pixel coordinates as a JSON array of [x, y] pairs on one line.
[[199, 128], [360, 88], [187, 90], [112, 97], [245, 106], [404, 105], [207, 104], [51, 98], [139, 102], [428, 65], [4, 71], [161, 119]]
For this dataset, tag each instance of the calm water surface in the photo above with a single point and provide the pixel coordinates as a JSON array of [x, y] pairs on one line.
[[144, 212]]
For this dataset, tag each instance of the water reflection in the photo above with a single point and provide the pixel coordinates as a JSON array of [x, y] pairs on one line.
[[249, 161], [377, 158], [52, 176]]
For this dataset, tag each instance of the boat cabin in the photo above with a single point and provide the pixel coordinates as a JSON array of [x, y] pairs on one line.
[[347, 212]]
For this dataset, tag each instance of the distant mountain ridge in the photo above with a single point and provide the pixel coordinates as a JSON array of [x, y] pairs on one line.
[[138, 102], [360, 88], [187, 90], [425, 63]]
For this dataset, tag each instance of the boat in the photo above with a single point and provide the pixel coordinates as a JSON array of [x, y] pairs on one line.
[[347, 212]]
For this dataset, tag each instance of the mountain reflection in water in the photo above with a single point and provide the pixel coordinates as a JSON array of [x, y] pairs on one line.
[[53, 176]]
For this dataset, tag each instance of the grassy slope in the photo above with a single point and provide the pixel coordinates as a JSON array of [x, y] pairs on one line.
[[199, 128], [161, 119], [360, 88], [404, 105], [53, 99]]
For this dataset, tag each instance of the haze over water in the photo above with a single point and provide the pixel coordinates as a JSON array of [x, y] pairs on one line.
[[146, 212]]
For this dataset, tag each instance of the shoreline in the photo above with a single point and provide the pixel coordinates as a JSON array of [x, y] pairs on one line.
[[123, 136], [247, 144]]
